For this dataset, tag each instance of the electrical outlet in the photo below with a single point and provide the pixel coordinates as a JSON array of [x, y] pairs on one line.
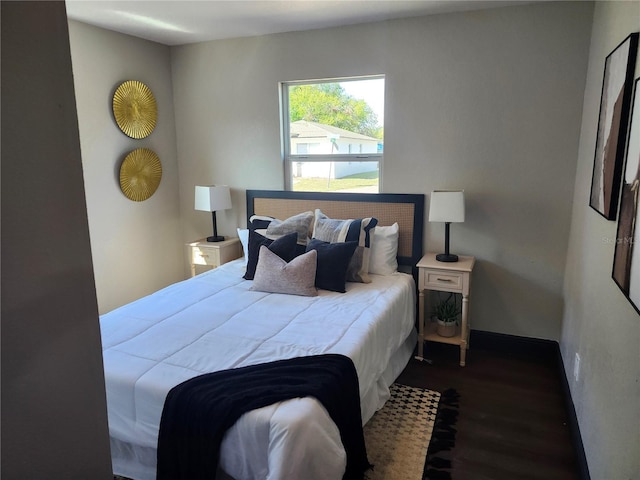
[[576, 367]]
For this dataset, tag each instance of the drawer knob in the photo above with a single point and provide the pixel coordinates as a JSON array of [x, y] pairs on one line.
[[444, 280]]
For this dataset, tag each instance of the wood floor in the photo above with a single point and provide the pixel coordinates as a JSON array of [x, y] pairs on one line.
[[512, 422]]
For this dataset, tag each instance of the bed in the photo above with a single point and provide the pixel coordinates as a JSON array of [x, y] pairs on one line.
[[216, 321]]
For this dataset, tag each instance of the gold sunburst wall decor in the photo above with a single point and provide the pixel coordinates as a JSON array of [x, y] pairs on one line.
[[140, 174], [135, 109]]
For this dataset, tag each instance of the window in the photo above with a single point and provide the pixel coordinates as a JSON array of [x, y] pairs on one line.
[[333, 134]]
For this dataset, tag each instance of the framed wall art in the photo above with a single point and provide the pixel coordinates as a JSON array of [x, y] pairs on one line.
[[612, 127], [626, 261]]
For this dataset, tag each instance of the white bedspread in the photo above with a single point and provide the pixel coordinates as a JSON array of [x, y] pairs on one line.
[[213, 322]]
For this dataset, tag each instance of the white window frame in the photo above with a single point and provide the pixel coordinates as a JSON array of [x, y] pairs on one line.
[[290, 158]]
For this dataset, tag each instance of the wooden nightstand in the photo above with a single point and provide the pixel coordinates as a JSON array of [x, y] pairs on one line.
[[444, 277], [213, 254]]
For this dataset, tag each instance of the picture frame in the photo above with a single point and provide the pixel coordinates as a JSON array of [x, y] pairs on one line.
[[626, 259], [613, 119]]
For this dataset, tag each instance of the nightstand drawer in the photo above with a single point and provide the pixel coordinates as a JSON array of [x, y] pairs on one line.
[[205, 256], [437, 280]]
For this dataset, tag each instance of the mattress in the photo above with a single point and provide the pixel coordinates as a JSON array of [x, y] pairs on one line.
[[213, 322]]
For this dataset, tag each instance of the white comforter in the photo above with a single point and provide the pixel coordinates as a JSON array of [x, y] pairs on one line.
[[214, 322]]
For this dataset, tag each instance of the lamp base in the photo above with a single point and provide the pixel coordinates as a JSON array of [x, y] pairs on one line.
[[446, 257], [217, 238]]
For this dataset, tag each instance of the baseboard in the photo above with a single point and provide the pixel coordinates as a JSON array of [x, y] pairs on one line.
[[540, 350], [576, 438], [536, 348]]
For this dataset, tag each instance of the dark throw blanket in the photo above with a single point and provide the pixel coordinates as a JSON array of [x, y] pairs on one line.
[[198, 412]]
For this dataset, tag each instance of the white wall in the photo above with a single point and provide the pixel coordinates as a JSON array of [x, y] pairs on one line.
[[599, 323], [137, 246], [54, 414], [489, 101]]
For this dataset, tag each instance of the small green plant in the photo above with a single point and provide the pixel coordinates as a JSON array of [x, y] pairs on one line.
[[447, 311]]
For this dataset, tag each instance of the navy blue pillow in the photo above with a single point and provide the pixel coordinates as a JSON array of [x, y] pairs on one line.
[[259, 223], [284, 247], [333, 261]]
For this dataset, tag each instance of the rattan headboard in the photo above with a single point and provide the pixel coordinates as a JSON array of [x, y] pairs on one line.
[[405, 209]]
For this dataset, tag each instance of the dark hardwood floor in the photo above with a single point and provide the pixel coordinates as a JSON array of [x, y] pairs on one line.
[[512, 422]]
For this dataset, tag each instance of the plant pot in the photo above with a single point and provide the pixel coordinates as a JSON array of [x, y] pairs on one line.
[[446, 329]]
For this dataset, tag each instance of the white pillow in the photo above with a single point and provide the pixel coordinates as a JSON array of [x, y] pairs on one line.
[[384, 250], [243, 235]]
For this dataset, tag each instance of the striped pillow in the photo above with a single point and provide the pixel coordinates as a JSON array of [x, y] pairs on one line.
[[360, 230]]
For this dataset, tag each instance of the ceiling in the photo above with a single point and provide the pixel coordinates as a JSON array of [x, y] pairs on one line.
[[180, 22]]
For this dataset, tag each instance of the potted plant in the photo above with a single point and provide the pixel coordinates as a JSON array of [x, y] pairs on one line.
[[446, 313]]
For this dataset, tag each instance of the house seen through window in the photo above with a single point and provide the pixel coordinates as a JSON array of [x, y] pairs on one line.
[[333, 134]]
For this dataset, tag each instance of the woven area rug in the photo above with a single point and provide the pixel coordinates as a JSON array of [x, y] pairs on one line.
[[409, 437]]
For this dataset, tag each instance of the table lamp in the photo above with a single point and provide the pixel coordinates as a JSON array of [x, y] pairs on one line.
[[446, 206], [212, 198]]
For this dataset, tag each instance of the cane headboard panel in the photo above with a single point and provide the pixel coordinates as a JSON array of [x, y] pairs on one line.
[[405, 209]]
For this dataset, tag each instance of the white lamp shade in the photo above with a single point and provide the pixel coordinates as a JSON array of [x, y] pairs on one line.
[[447, 206], [212, 198]]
